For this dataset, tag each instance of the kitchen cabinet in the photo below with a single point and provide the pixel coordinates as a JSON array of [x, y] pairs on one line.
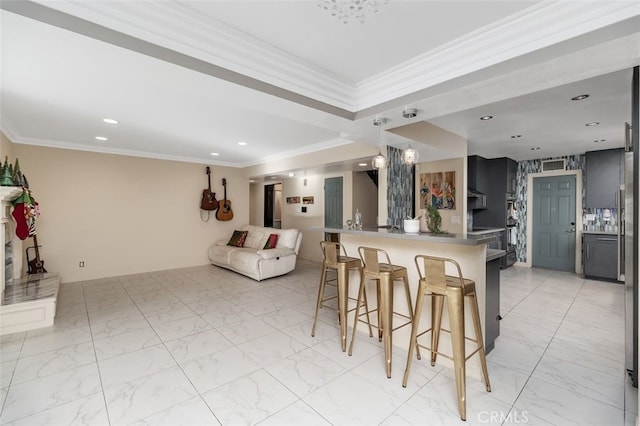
[[604, 172], [496, 178], [492, 297], [600, 255]]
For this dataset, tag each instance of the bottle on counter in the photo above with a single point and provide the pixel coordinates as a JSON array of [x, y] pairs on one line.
[[358, 220]]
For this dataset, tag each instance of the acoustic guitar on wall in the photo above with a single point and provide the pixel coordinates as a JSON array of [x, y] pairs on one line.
[[209, 201], [224, 206]]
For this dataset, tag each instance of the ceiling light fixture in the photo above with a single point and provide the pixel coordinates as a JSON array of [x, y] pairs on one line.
[[363, 164], [486, 117], [379, 161], [580, 97], [347, 10], [410, 156], [291, 174], [110, 121], [242, 143], [215, 153], [516, 136], [102, 138], [593, 123]]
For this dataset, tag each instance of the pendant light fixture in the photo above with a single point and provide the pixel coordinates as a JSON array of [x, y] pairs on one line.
[[379, 161], [410, 155]]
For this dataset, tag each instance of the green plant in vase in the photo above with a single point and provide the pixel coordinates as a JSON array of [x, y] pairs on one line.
[[434, 221]]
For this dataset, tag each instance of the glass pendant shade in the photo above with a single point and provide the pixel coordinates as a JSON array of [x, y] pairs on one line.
[[379, 161], [410, 156]]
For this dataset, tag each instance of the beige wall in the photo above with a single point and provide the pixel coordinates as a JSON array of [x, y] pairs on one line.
[[365, 199], [292, 216], [448, 216], [124, 215], [6, 149]]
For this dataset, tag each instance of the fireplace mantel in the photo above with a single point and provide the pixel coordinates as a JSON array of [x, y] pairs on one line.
[[27, 302]]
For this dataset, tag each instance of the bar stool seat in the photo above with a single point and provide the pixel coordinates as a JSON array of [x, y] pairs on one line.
[[335, 259], [436, 283], [385, 274]]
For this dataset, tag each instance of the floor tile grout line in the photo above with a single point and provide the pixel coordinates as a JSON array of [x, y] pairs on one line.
[[95, 355], [545, 351]]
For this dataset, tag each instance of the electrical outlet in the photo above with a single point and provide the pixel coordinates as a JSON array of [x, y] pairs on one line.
[[81, 264]]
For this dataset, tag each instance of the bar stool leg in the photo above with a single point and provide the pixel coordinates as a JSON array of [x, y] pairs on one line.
[[437, 302], [455, 302], [361, 290], [478, 330], [386, 293], [380, 320], [366, 305], [407, 293], [323, 278], [343, 288], [413, 343]]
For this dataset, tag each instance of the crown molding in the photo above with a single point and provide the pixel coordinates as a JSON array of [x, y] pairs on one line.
[[207, 39], [534, 28], [174, 26]]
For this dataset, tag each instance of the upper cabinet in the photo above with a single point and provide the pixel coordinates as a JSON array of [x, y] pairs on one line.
[[604, 172]]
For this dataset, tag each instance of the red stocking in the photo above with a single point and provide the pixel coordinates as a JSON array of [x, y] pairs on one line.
[[22, 229]]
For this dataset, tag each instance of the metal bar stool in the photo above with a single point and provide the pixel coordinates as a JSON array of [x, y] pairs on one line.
[[435, 283], [385, 274], [335, 258]]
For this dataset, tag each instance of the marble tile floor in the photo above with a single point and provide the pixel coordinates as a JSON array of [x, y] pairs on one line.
[[205, 346]]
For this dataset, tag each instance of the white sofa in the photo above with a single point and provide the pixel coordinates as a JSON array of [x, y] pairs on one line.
[[254, 261]]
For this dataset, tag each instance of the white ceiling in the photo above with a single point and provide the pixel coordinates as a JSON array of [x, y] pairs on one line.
[[188, 78]]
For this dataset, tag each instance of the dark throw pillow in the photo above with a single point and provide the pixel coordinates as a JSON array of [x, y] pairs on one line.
[[237, 239], [271, 242]]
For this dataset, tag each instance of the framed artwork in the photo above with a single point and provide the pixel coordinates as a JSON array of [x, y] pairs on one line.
[[438, 189], [307, 200], [293, 200]]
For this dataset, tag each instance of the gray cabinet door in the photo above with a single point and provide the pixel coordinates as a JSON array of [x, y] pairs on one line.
[[603, 176], [600, 256]]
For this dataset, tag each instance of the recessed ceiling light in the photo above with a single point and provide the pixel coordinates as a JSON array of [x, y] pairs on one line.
[[593, 123], [363, 164], [215, 153], [252, 181], [580, 97], [102, 138], [486, 117], [110, 121], [516, 136], [242, 143], [601, 140], [535, 148], [291, 174]]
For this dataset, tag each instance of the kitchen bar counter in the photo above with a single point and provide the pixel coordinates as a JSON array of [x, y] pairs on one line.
[[460, 239], [470, 251]]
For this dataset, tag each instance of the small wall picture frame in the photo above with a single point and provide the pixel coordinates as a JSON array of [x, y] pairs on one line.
[[307, 200], [293, 200]]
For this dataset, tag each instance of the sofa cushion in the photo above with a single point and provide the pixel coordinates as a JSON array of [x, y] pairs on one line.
[[287, 238], [274, 253], [271, 242], [255, 238], [245, 260], [237, 239], [221, 253]]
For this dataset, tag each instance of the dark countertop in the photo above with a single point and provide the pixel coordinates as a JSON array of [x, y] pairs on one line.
[[600, 233], [493, 254], [484, 231], [460, 239]]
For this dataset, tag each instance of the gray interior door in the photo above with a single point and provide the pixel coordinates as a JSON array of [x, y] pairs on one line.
[[554, 218], [333, 202]]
